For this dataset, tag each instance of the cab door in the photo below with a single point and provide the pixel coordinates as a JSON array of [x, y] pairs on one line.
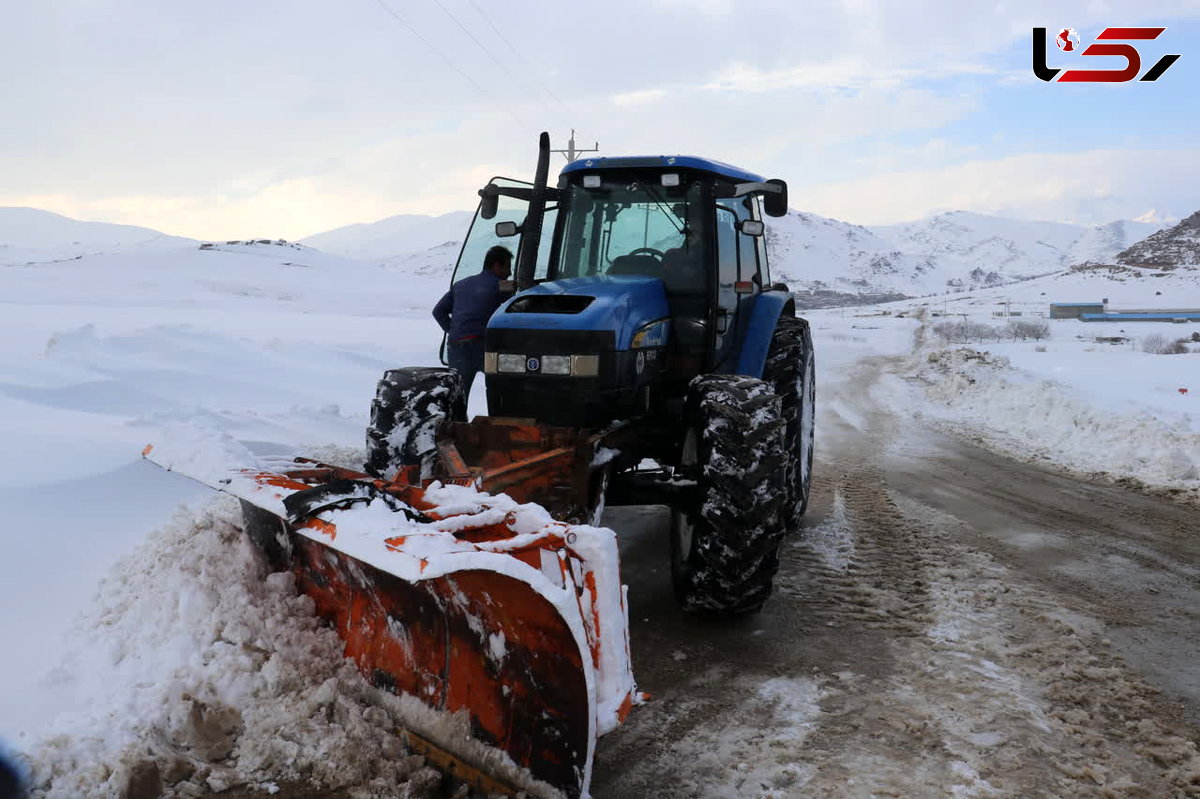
[[738, 281], [482, 236]]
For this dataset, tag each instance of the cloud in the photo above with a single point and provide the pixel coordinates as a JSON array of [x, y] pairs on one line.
[[842, 73], [282, 119], [289, 209], [431, 171], [642, 97], [440, 167], [1153, 217], [1090, 188]]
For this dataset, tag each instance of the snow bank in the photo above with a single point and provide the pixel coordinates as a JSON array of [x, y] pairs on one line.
[[1045, 419], [198, 672]]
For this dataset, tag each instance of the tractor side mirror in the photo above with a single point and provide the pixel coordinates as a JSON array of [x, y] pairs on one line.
[[489, 203], [506, 229], [775, 203], [751, 227]]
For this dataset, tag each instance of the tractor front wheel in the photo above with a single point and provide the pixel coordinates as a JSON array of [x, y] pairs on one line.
[[725, 540], [409, 408]]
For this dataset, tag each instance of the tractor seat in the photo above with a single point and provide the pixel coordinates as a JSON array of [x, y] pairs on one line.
[[636, 265]]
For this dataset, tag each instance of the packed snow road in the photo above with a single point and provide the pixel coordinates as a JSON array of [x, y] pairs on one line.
[[949, 622]]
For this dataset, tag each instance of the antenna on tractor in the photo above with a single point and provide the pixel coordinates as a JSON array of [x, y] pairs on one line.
[[571, 153]]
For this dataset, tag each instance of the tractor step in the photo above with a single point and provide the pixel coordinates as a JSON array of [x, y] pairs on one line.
[[648, 487]]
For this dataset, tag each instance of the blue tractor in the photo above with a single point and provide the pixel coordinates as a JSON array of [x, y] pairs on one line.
[[645, 357]]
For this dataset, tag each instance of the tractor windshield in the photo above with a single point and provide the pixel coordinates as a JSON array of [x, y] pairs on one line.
[[634, 226]]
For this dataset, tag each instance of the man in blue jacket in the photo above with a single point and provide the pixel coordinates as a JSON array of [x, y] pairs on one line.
[[465, 309]]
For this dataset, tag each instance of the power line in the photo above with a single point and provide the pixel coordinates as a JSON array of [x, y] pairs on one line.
[[451, 63], [570, 114], [478, 43]]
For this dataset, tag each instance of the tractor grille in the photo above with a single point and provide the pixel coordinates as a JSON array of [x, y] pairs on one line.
[[550, 342]]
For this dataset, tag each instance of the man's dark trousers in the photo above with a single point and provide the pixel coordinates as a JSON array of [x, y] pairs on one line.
[[466, 358]]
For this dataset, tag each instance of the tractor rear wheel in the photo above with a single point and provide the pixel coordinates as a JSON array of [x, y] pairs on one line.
[[725, 541], [409, 408], [790, 368]]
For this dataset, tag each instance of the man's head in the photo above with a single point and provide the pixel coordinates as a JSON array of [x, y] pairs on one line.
[[498, 261]]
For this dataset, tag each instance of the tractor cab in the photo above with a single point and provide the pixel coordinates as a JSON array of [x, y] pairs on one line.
[[633, 275]]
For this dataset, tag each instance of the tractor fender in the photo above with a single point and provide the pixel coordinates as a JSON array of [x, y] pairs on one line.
[[759, 329]]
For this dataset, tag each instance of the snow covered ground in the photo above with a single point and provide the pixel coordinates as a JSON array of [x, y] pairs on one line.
[[280, 346], [1087, 397], [277, 345]]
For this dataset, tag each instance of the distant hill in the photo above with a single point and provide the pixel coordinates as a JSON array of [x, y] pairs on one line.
[[1176, 246], [395, 237], [951, 251], [31, 228], [1102, 244], [956, 250]]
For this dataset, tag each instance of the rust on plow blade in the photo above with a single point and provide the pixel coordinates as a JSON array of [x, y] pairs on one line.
[[468, 602]]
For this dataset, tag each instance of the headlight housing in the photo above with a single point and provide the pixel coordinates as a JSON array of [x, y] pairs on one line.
[[508, 362], [561, 365], [585, 365], [556, 364]]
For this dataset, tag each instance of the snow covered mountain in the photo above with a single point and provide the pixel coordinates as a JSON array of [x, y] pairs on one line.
[[826, 257], [823, 253], [1101, 244], [31, 234], [1175, 246], [950, 251], [393, 238], [956, 250], [1008, 247]]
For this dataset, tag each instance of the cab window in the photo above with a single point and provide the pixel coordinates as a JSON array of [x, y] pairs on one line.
[[634, 227]]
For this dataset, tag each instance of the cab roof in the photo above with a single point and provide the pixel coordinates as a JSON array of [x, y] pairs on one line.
[[663, 162]]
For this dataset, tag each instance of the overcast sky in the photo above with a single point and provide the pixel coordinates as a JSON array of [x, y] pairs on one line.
[[224, 118]]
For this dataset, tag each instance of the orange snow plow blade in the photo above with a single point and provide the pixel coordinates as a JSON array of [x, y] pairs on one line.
[[468, 602]]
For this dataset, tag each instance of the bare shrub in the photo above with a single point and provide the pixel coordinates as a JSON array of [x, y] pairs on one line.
[[947, 331], [966, 332], [1036, 329], [1039, 330], [1158, 344]]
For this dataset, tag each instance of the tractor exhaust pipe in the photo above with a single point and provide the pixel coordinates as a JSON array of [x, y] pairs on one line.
[[531, 231]]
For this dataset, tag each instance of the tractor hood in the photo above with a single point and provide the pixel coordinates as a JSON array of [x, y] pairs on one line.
[[620, 303]]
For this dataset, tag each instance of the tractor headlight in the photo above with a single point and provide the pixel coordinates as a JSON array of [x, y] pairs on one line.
[[510, 363], [585, 365], [489, 363], [556, 364]]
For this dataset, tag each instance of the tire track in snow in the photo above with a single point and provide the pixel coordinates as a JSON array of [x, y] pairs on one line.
[[994, 688]]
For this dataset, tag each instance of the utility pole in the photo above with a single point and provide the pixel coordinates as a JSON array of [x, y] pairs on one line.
[[571, 153]]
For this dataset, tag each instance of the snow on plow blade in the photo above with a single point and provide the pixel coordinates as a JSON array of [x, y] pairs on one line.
[[468, 602]]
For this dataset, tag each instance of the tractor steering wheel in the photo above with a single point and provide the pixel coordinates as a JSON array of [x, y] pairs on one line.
[[646, 251]]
